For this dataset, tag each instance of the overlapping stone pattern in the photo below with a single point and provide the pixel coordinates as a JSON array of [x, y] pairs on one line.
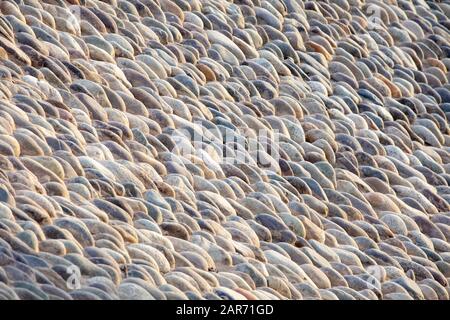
[[98, 199]]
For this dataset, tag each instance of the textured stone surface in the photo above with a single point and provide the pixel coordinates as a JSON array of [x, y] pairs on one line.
[[197, 149]]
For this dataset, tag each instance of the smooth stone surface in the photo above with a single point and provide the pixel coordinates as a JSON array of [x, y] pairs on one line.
[[224, 150]]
